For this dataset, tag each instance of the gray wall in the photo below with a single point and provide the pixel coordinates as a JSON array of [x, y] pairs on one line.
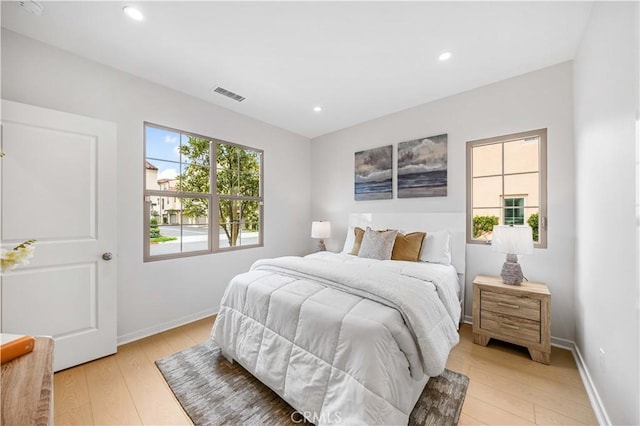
[[157, 295], [532, 101], [607, 289]]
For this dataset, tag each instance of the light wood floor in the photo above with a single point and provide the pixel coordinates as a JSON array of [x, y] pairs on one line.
[[506, 387]]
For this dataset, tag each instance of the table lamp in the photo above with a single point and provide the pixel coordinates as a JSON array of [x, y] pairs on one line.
[[512, 240], [321, 230]]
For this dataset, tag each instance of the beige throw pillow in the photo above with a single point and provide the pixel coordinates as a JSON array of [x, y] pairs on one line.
[[377, 244]]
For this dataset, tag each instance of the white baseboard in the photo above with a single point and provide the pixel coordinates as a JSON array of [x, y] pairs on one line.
[[159, 328], [562, 343], [592, 392]]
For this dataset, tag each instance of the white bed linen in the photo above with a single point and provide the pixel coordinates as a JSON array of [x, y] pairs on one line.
[[445, 277], [336, 356]]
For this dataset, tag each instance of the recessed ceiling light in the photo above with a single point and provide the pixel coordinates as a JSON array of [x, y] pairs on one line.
[[133, 13], [444, 56], [31, 6], [317, 108]]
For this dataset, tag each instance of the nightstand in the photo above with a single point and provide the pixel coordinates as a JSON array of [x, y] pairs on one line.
[[515, 314]]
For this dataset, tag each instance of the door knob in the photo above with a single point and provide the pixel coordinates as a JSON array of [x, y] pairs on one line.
[[107, 256]]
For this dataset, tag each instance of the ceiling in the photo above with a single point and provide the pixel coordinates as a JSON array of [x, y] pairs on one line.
[[358, 60]]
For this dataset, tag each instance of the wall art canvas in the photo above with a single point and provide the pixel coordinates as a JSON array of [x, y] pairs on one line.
[[422, 167], [373, 174]]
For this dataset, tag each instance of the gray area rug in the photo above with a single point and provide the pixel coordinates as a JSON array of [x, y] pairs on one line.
[[214, 392]]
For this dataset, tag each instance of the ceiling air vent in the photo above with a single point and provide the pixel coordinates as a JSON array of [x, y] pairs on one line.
[[229, 94]]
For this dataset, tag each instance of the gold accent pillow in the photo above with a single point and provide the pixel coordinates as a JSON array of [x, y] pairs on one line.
[[407, 247], [359, 232]]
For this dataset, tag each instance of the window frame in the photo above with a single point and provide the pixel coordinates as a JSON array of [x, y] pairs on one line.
[[542, 182], [213, 199]]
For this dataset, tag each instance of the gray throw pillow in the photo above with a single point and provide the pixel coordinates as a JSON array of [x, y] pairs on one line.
[[377, 244]]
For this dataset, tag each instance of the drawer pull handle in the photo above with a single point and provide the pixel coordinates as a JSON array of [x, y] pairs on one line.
[[513, 327], [508, 305]]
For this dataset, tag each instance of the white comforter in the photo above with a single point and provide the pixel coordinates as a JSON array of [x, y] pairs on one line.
[[342, 342]]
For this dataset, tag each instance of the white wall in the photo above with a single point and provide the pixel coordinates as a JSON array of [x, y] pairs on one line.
[[532, 101], [607, 292], [156, 295]]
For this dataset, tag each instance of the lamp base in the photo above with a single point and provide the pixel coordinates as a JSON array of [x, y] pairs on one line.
[[511, 271], [321, 246]]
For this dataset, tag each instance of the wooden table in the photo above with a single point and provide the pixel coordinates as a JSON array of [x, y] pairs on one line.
[[27, 386]]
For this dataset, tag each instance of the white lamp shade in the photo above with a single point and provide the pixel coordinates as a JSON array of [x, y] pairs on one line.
[[320, 229], [517, 239]]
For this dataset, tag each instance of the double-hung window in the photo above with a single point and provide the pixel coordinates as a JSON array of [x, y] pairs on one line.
[[202, 195], [507, 185]]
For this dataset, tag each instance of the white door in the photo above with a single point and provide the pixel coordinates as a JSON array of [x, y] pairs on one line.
[[59, 187]]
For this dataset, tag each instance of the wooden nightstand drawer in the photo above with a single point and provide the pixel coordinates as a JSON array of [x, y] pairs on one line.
[[501, 303], [507, 325]]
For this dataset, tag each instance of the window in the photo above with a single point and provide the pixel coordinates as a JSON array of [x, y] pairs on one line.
[[507, 184], [513, 211], [197, 206]]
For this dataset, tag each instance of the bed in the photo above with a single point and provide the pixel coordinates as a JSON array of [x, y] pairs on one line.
[[345, 339]]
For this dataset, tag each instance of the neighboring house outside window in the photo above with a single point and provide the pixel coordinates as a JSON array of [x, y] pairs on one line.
[[513, 210], [183, 215], [507, 185]]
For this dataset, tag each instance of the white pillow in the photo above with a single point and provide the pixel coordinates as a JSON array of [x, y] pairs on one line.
[[377, 244], [349, 241], [436, 248]]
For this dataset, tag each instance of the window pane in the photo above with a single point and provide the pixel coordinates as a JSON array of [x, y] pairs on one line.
[[227, 181], [195, 150], [257, 159], [487, 192], [183, 225], [195, 211], [195, 234], [194, 178], [249, 232], [521, 156], [162, 144], [524, 186], [170, 210], [161, 174], [227, 156], [483, 222], [249, 184], [164, 229], [249, 236], [532, 216], [514, 202], [229, 216], [249, 161], [487, 160]]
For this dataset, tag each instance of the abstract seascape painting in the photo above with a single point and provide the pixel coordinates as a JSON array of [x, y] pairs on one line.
[[422, 167], [373, 174]]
